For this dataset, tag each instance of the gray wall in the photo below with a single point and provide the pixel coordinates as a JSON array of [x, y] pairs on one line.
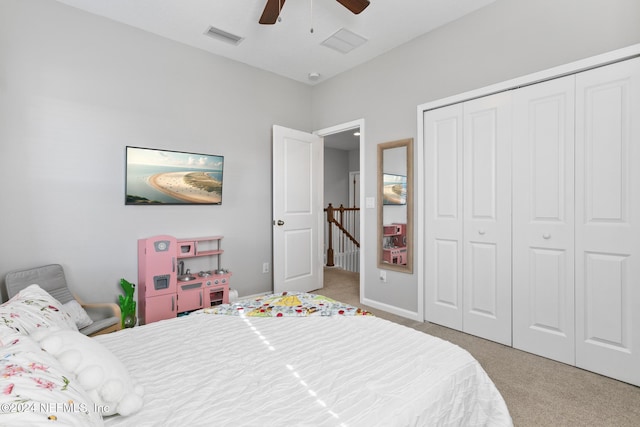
[[336, 177], [75, 89], [507, 39]]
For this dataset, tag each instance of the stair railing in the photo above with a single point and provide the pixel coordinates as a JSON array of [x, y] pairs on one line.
[[342, 237]]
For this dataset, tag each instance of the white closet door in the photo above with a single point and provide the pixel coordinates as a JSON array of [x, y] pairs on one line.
[[487, 218], [543, 219], [443, 216], [608, 220]]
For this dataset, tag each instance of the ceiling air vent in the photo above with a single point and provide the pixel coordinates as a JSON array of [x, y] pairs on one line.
[[344, 41], [222, 35]]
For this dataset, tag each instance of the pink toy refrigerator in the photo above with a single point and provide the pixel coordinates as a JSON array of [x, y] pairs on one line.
[[157, 279]]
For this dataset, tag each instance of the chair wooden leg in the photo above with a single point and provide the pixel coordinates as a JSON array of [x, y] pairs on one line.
[[108, 330]]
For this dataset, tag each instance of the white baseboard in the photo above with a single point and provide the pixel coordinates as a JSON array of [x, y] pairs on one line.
[[258, 295], [392, 309]]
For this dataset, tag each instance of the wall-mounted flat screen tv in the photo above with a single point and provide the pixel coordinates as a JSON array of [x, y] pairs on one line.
[[163, 177], [394, 189]]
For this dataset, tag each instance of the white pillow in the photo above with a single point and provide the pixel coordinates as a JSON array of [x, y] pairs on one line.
[[99, 371], [37, 390], [33, 308], [78, 314]]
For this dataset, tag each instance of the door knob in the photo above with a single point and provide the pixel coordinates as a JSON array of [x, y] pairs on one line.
[[280, 222], [546, 236], [481, 232]]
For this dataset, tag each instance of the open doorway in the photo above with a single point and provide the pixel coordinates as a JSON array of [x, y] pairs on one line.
[[342, 202]]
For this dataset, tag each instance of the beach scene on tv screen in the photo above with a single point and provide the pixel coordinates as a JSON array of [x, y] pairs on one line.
[[171, 177], [394, 189]]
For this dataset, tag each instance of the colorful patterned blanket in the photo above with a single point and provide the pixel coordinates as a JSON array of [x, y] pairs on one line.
[[289, 304]]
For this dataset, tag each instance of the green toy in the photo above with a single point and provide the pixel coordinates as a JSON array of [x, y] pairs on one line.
[[128, 304]]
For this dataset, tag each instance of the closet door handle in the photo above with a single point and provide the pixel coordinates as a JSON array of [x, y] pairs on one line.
[[481, 232], [546, 236]]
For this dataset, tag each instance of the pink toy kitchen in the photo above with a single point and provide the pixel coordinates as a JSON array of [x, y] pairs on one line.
[[167, 285]]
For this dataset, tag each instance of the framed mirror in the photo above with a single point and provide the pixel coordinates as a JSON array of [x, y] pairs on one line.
[[395, 205]]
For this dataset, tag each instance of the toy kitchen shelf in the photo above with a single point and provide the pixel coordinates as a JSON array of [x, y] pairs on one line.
[[200, 246], [166, 289]]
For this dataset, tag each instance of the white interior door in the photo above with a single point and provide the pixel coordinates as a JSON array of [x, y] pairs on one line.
[[608, 220], [443, 216], [487, 218], [297, 210], [543, 219]]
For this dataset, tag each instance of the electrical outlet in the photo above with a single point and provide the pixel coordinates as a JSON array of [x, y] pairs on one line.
[[383, 276], [265, 267]]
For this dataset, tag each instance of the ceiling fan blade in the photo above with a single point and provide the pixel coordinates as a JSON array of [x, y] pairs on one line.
[[271, 11], [355, 6]]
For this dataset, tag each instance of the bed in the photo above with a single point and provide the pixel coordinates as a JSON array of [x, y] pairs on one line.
[[298, 360]]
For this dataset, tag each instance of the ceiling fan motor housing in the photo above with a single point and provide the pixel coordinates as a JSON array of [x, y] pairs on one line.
[[272, 9]]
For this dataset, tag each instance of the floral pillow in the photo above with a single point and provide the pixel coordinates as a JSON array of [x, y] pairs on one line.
[[36, 389], [33, 308]]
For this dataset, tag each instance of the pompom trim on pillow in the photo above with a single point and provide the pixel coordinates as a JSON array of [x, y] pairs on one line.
[[100, 373]]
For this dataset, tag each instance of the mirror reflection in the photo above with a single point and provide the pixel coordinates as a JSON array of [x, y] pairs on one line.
[[395, 205]]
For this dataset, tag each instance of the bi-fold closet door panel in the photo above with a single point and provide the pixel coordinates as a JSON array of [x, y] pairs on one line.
[[468, 217], [443, 215], [543, 219], [608, 220], [487, 218]]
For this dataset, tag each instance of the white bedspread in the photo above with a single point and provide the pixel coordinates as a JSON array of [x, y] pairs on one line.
[[314, 371]]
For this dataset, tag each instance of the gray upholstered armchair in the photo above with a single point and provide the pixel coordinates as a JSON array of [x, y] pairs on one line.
[[106, 316]]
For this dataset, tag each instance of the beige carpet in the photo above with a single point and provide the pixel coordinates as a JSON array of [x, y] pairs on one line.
[[538, 391]]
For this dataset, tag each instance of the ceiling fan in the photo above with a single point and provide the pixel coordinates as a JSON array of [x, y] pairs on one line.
[[273, 8]]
